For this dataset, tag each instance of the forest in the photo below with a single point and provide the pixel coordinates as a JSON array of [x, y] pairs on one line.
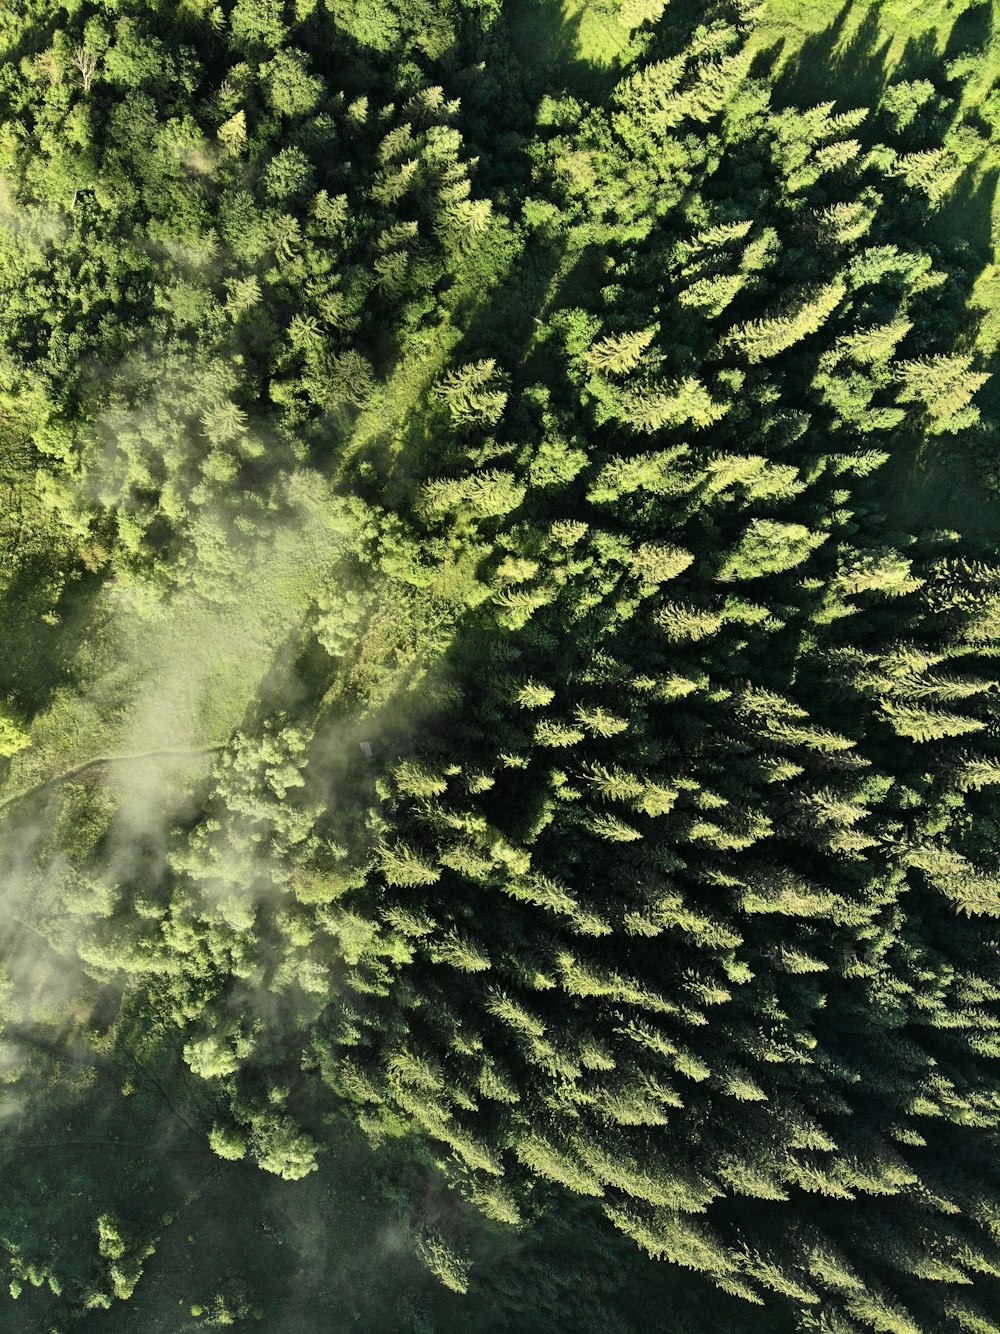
[[500, 673]]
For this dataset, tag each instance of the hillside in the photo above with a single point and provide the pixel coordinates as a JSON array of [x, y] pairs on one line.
[[499, 722]]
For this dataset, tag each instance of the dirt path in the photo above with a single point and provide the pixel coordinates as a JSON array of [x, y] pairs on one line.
[[103, 759]]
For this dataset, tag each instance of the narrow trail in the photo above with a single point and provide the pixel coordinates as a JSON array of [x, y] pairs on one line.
[[97, 761]]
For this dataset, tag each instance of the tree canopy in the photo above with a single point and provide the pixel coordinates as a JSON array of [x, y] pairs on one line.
[[494, 775]]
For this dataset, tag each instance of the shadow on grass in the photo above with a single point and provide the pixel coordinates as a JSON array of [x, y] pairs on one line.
[[545, 48], [41, 650], [964, 221], [846, 63], [849, 60]]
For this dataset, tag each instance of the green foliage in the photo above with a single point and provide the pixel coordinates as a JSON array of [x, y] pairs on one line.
[[13, 737], [769, 547], [476, 433]]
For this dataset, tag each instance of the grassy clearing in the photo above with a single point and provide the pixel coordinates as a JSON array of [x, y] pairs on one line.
[[183, 673], [599, 33], [381, 428], [894, 29], [584, 41]]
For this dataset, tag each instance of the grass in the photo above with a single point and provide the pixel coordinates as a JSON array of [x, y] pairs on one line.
[[580, 42], [600, 36], [182, 674], [893, 29]]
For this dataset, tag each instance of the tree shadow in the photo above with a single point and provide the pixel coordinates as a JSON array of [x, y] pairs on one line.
[[849, 60], [964, 220], [970, 31], [544, 49], [75, 1150], [43, 641], [843, 62]]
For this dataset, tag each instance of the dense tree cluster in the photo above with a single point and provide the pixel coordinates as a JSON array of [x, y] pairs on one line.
[[620, 822]]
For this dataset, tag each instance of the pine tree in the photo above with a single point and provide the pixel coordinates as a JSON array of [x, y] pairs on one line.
[[885, 572], [933, 170], [658, 406], [945, 386], [681, 622], [760, 340], [768, 547], [618, 353], [473, 394], [923, 724], [875, 345], [634, 13]]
